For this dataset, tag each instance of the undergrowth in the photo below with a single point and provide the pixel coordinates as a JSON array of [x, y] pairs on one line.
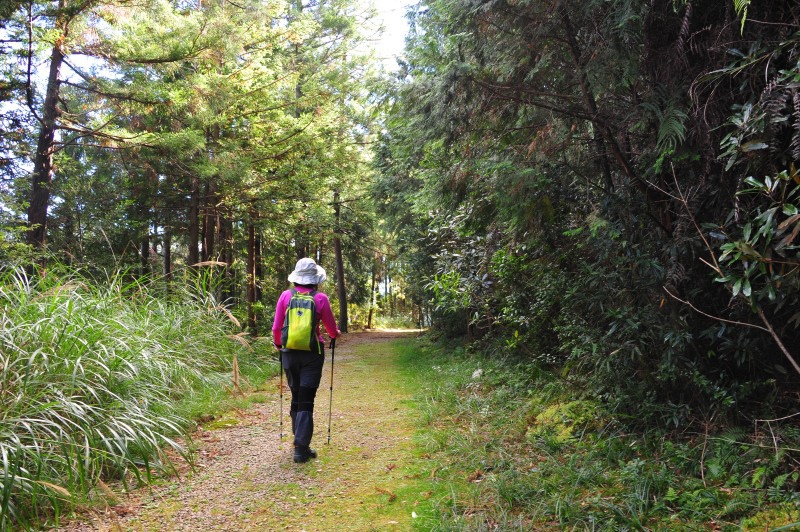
[[513, 448], [394, 322], [100, 382]]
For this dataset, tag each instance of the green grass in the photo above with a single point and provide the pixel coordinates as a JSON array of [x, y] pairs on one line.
[[512, 447], [98, 380], [389, 322]]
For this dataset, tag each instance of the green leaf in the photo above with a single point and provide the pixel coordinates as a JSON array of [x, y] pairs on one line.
[[753, 182], [746, 289], [749, 250], [737, 287], [753, 146]]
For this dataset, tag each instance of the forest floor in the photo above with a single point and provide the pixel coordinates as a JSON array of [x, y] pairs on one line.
[[245, 478]]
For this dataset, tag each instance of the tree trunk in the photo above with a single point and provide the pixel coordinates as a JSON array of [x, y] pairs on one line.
[[205, 226], [167, 243], [388, 286], [70, 241], [385, 281], [42, 176], [210, 219], [372, 295], [145, 254], [210, 230], [193, 256], [251, 280], [226, 247], [300, 247], [258, 269], [340, 286]]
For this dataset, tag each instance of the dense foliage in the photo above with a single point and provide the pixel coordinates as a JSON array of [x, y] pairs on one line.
[[150, 136], [609, 189], [199, 148], [506, 447], [92, 374]]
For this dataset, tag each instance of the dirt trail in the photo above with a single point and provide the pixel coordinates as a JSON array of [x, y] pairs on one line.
[[246, 479]]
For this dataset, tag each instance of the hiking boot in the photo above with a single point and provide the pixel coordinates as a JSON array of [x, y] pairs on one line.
[[304, 454]]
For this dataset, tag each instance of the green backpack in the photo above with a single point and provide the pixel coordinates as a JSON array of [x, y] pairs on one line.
[[299, 332]]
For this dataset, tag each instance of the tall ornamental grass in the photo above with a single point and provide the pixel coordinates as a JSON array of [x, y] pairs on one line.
[[89, 376]]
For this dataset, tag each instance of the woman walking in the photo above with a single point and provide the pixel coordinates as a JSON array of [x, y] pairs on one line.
[[297, 334]]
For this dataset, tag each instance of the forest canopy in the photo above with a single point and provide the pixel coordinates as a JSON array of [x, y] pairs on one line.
[[608, 188], [155, 136]]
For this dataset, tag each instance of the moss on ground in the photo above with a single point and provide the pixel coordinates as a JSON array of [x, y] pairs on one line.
[[370, 477]]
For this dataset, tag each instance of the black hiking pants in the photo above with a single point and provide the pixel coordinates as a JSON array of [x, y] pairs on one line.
[[303, 373]]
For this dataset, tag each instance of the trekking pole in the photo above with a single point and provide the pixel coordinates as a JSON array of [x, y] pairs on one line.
[[330, 403], [280, 392]]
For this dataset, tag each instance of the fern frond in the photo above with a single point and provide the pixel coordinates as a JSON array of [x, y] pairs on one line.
[[672, 130], [741, 11], [671, 119]]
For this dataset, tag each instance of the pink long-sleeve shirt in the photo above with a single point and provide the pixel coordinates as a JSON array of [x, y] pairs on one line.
[[324, 314]]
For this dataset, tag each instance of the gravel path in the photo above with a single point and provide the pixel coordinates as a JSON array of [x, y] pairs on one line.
[[245, 478]]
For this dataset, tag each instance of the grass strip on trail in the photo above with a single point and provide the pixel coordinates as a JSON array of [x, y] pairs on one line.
[[370, 477]]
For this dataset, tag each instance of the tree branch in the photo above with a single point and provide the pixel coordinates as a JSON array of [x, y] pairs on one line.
[[716, 267], [778, 341], [716, 318]]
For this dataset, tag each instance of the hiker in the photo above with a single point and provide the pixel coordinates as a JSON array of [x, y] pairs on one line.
[[302, 359]]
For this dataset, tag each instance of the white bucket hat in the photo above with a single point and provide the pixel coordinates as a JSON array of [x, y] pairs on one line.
[[306, 271]]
